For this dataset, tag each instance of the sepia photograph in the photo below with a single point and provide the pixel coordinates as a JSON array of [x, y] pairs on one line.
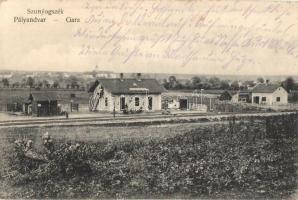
[[149, 99]]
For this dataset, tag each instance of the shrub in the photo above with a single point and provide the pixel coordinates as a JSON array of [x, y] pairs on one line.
[[247, 157]]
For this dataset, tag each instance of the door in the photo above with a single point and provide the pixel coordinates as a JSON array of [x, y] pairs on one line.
[[257, 100], [29, 109], [43, 108], [183, 104], [150, 103], [122, 103]]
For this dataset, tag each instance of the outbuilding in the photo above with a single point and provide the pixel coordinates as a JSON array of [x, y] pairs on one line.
[[42, 104]]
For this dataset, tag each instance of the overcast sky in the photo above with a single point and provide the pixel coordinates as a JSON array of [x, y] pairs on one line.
[[218, 37]]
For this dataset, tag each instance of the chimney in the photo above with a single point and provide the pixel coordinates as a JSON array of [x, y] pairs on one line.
[[267, 81], [139, 76], [121, 76]]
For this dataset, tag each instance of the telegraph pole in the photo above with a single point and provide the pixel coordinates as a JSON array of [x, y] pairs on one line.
[[114, 111], [202, 97]]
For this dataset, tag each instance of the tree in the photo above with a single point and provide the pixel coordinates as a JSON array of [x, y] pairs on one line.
[[206, 85], [214, 82], [196, 82], [5, 82], [16, 85], [45, 84], [60, 77], [260, 80], [235, 85], [172, 82], [188, 85], [55, 84], [30, 82], [73, 80], [166, 84], [172, 79], [39, 84], [289, 84], [224, 85]]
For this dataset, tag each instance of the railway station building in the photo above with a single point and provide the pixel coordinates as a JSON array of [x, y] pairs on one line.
[[120, 94]]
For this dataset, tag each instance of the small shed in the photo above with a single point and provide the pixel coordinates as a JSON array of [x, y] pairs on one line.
[[12, 100], [42, 104], [241, 96]]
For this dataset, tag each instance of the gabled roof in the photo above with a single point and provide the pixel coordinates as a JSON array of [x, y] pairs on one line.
[[129, 86], [244, 92], [265, 88]]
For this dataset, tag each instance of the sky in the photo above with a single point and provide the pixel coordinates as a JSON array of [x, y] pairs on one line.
[[201, 37]]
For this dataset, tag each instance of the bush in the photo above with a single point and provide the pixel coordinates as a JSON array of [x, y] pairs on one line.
[[247, 157]]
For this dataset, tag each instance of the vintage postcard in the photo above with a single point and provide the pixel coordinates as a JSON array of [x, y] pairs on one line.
[[148, 99]]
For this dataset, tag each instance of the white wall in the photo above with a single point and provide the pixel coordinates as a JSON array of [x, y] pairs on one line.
[[271, 98], [235, 98], [129, 100], [174, 105], [283, 94], [260, 95], [102, 104]]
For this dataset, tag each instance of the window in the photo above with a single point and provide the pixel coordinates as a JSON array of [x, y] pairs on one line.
[[72, 95], [122, 103], [263, 98], [74, 106], [150, 104], [137, 101], [242, 99], [278, 99], [106, 101]]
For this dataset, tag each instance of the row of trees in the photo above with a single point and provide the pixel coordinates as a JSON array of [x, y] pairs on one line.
[[71, 83], [201, 83], [215, 83], [289, 84]]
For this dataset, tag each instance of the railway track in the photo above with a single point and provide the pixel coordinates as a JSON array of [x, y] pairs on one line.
[[93, 118], [135, 119]]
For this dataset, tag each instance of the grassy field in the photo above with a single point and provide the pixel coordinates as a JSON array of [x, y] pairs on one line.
[[97, 134], [206, 160], [89, 134]]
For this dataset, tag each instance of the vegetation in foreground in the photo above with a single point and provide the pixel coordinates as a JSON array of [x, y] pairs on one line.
[[249, 158]]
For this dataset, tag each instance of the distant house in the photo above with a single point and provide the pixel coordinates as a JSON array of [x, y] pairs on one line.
[[121, 94], [242, 96], [236, 96], [194, 100], [269, 94], [6, 75], [249, 84]]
